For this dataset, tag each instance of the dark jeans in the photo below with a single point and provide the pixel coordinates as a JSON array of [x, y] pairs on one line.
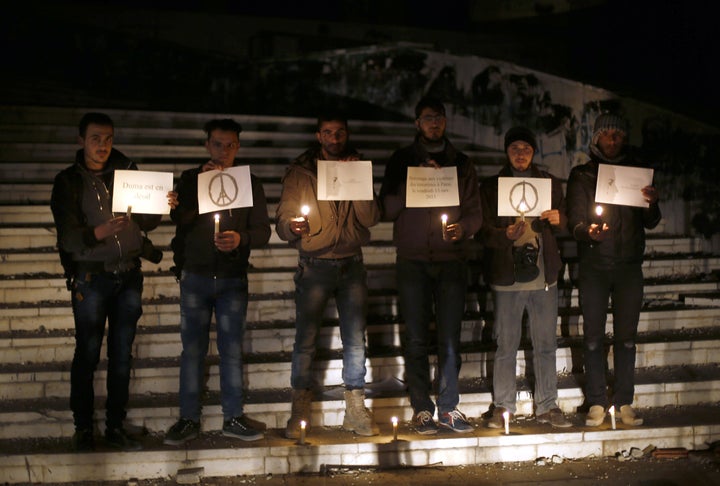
[[420, 285], [199, 296], [624, 283], [316, 281], [97, 297]]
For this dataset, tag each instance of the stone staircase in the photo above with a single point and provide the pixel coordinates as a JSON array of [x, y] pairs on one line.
[[678, 378]]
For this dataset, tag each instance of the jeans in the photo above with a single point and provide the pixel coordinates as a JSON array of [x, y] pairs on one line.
[[97, 297], [624, 283], [541, 306], [420, 284], [316, 280], [199, 296]]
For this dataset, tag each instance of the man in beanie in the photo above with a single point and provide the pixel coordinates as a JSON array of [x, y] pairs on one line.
[[521, 264], [611, 249]]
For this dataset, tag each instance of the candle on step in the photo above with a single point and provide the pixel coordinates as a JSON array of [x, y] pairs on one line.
[[506, 419], [217, 223], [302, 431], [611, 411], [395, 425]]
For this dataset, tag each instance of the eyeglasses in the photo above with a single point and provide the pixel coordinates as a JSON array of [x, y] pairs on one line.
[[522, 149], [224, 146], [431, 118]]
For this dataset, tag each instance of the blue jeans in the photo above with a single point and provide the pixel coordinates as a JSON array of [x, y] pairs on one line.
[[541, 306], [420, 284], [624, 283], [316, 280], [97, 297], [199, 296]]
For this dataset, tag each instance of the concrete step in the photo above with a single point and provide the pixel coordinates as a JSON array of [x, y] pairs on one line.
[[272, 370], [692, 427], [39, 334], [666, 386], [709, 298]]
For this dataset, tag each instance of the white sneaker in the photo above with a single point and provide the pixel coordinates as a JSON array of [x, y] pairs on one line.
[[629, 417], [595, 416]]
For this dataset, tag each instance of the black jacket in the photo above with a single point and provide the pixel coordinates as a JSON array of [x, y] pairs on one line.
[[193, 245], [626, 241], [497, 257], [82, 200]]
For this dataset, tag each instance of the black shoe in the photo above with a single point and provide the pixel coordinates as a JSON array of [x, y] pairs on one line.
[[183, 431], [119, 439], [83, 440], [241, 429]]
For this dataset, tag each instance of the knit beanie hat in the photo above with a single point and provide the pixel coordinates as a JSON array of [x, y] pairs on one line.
[[608, 121], [520, 133]]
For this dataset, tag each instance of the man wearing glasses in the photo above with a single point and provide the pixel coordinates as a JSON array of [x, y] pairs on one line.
[[431, 267]]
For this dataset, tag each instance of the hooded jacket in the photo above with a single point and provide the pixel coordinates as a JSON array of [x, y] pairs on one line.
[[338, 229], [498, 258], [417, 232], [193, 245], [80, 201], [626, 240]]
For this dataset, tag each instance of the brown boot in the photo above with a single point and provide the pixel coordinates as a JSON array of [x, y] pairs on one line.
[[301, 410], [357, 417]]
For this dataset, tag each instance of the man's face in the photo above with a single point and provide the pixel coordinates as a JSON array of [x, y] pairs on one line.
[[431, 125], [222, 147], [97, 144], [520, 155], [611, 142], [332, 136]]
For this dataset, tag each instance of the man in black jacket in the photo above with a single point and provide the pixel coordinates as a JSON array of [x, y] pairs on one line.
[[522, 265], [611, 248], [211, 258], [101, 256]]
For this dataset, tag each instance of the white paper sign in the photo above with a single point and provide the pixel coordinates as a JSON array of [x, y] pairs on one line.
[[227, 189], [145, 191], [345, 180], [619, 184], [524, 196], [428, 187]]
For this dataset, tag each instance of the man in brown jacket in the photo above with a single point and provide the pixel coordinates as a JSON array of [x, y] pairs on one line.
[[329, 236]]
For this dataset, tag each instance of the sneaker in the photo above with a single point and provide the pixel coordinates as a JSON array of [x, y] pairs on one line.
[[119, 439], [83, 440], [424, 423], [183, 431], [455, 421], [554, 417], [239, 428], [595, 416], [629, 417], [497, 421]]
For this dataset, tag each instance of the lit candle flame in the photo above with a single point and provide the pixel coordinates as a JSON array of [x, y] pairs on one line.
[[444, 218], [506, 419], [523, 207], [305, 210], [394, 420], [598, 210], [217, 223], [611, 411]]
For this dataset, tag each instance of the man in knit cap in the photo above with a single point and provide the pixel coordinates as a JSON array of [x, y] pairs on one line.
[[522, 264], [611, 248]]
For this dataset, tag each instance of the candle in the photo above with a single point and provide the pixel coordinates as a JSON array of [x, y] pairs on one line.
[[523, 209], [506, 419], [612, 416], [394, 424], [129, 212], [443, 218], [302, 432], [598, 210], [217, 223], [305, 210]]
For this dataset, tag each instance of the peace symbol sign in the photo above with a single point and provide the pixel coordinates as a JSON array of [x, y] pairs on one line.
[[523, 197], [217, 192]]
